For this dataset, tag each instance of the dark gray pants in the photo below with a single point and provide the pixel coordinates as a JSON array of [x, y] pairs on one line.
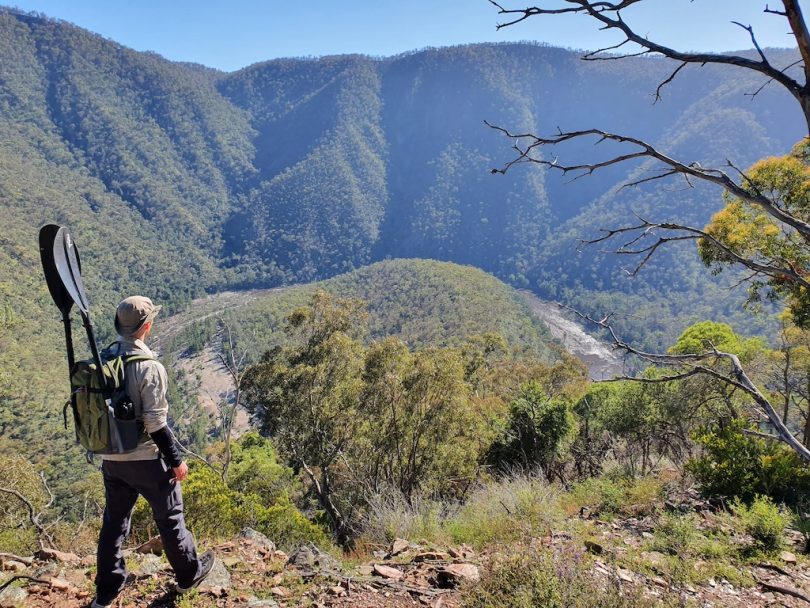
[[152, 479]]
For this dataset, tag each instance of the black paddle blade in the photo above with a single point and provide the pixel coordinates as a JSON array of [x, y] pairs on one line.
[[47, 242], [67, 265]]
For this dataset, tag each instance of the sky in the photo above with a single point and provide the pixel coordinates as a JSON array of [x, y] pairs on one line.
[[231, 35]]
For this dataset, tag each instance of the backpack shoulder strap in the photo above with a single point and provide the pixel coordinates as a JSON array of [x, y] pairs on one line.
[[134, 358]]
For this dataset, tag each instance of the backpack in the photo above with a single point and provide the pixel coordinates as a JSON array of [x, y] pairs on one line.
[[104, 418]]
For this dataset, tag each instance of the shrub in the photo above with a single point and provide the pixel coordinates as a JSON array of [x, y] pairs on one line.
[[735, 465], [764, 521], [214, 511], [389, 515], [552, 579], [515, 508], [616, 494], [539, 432]]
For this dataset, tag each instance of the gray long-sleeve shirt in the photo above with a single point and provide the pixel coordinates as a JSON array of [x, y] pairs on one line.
[[147, 384]]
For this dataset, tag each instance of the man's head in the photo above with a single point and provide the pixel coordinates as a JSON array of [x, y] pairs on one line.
[[134, 315]]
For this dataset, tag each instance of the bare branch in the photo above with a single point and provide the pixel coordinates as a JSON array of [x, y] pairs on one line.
[[667, 81], [34, 515], [774, 12], [712, 175], [608, 14], [750, 31], [787, 270]]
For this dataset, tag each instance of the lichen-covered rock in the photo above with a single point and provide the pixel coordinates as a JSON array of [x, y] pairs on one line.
[[11, 597], [257, 538], [218, 578]]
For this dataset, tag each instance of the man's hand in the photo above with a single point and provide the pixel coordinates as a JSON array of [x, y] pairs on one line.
[[181, 472]]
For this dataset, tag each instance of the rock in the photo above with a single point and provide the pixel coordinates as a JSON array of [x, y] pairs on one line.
[[280, 591], [432, 556], [399, 545], [50, 569], [257, 538], [655, 558], [365, 570], [219, 577], [88, 561], [455, 574], [454, 553], [624, 575], [153, 545], [787, 557], [337, 590], [11, 597], [309, 556], [594, 548], [231, 561], [150, 565], [388, 572], [58, 583], [659, 581], [14, 566], [255, 602], [52, 555], [647, 535]]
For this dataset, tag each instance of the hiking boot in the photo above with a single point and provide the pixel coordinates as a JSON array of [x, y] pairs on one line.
[[207, 560], [96, 604]]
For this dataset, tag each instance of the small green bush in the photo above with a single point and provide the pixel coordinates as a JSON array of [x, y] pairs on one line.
[[611, 494], [764, 521], [516, 508], [509, 510], [735, 465], [563, 579]]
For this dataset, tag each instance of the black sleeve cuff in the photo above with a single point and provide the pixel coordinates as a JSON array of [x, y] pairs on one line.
[[165, 442]]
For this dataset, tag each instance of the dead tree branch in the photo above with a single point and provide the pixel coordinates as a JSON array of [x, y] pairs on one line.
[[235, 366], [776, 268], [34, 515], [609, 17], [526, 144]]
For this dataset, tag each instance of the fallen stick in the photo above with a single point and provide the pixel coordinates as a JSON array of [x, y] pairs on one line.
[[775, 568], [784, 590], [18, 577]]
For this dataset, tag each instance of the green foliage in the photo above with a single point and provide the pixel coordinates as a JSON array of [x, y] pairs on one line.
[[749, 231], [764, 521], [259, 496], [616, 494], [355, 417], [539, 431], [511, 509], [17, 533], [735, 465], [517, 508], [702, 337]]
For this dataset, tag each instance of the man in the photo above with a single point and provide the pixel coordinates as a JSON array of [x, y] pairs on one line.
[[154, 469]]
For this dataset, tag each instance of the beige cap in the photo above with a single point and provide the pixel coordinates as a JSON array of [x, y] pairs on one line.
[[132, 313]]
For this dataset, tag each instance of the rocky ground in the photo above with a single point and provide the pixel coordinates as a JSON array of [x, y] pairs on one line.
[[252, 572]]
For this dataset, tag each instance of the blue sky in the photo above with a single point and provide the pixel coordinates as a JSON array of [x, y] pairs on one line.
[[231, 35]]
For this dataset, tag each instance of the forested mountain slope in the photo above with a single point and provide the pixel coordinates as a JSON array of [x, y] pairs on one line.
[[178, 180], [299, 169]]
